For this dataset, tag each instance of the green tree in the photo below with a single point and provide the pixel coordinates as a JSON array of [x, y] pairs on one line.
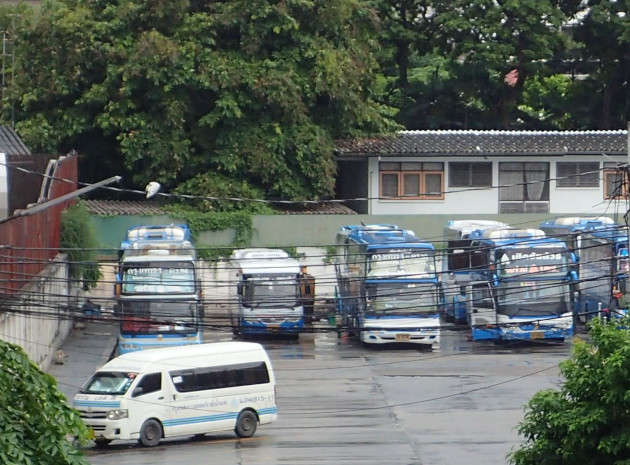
[[463, 51], [35, 419], [78, 241], [603, 37], [252, 91], [587, 420]]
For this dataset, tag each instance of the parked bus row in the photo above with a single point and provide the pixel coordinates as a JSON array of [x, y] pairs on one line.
[[505, 283], [158, 290], [508, 283]]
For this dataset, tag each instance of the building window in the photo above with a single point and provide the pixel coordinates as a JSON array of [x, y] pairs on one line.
[[524, 187], [577, 174], [411, 180], [473, 174], [615, 185]]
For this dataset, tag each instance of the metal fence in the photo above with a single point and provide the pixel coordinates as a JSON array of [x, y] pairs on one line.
[[28, 242]]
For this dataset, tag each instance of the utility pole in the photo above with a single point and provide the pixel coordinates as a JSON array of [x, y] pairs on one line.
[[626, 176]]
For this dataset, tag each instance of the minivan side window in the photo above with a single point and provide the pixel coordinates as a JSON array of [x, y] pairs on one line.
[[149, 383], [217, 377]]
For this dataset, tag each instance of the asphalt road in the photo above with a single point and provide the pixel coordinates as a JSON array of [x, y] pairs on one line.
[[341, 403]]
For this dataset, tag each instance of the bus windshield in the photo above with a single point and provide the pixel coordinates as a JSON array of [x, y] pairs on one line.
[[158, 278], [537, 260], [401, 298], [158, 316], [109, 382], [402, 263], [533, 298], [271, 291]]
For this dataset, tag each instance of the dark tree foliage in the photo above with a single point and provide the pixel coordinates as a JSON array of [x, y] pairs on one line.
[[253, 91]]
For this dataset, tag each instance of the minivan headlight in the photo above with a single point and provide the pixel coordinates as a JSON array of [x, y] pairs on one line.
[[117, 414]]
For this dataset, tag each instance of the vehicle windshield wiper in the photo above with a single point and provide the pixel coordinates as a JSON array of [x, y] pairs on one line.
[[523, 311]]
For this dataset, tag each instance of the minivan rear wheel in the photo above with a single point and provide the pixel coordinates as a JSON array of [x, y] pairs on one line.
[[246, 424]]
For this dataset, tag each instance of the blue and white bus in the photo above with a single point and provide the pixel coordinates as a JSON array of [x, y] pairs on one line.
[[570, 228], [528, 290], [601, 246], [265, 294], [457, 264], [158, 295], [387, 286], [603, 271]]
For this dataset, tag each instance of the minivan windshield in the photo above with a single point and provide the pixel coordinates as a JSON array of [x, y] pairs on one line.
[[109, 382]]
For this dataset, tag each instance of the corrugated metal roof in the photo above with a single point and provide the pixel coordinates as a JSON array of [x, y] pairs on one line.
[[145, 207], [11, 144], [123, 207], [454, 143]]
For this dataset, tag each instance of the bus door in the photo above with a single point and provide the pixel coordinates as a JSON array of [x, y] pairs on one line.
[[480, 304]]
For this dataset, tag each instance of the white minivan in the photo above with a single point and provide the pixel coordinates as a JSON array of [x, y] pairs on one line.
[[177, 391]]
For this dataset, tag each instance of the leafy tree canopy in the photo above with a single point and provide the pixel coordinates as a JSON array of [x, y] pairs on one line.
[[35, 419], [587, 420], [252, 91]]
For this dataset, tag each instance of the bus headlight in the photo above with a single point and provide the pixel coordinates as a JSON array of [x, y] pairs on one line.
[[128, 346], [117, 414]]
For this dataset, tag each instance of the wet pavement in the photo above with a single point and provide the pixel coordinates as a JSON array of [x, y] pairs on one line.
[[340, 402]]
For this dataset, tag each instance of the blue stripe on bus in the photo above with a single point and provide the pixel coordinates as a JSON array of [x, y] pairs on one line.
[[96, 404], [210, 418]]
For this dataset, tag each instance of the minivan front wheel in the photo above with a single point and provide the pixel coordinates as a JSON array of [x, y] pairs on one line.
[[150, 433]]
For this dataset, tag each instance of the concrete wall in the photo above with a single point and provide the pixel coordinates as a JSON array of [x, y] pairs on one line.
[[307, 230], [40, 321]]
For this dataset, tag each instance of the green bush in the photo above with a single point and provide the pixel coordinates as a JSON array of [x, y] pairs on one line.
[[78, 241]]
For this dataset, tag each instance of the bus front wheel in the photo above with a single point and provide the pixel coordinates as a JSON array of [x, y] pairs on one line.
[[150, 433], [246, 424]]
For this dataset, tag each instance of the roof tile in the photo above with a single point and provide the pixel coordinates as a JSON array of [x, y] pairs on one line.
[[451, 142]]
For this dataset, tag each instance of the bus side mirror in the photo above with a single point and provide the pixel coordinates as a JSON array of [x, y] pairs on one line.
[[137, 392], [239, 288]]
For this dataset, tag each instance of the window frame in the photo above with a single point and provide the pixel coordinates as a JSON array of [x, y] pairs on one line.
[[525, 201], [574, 178], [471, 179], [400, 184], [608, 173], [216, 377]]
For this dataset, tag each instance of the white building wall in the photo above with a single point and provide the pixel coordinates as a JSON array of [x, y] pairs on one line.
[[460, 201], [584, 200]]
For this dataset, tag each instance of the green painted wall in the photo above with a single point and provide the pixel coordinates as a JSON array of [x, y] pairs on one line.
[[300, 230]]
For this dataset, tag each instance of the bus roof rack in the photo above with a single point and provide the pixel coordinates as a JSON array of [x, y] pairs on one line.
[[512, 233], [259, 253], [156, 234]]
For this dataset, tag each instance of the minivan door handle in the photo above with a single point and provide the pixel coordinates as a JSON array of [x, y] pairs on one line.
[[161, 398]]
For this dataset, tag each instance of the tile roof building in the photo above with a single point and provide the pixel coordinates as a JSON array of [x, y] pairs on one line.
[[484, 172]]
